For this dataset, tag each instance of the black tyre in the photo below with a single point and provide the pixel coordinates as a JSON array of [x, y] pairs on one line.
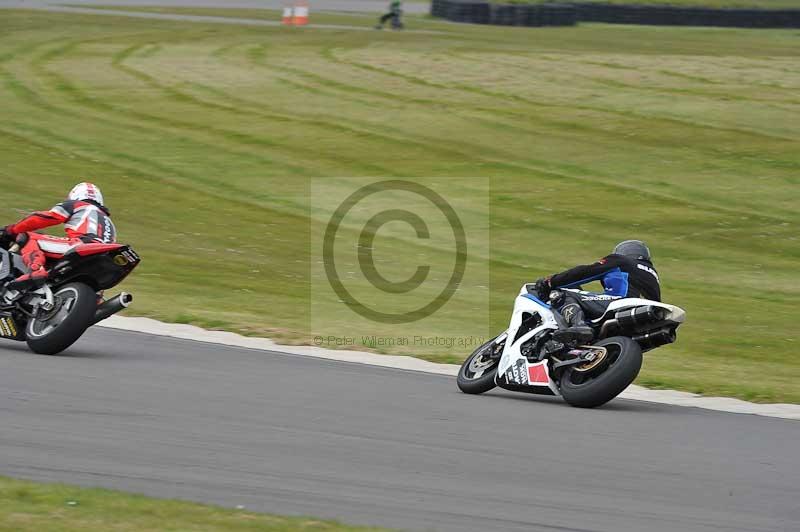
[[479, 369], [597, 384], [51, 333]]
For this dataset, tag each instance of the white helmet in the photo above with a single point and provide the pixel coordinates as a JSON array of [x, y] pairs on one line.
[[86, 191]]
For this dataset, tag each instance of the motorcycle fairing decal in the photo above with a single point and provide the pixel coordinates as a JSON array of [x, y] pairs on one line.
[[517, 373], [538, 375], [523, 373]]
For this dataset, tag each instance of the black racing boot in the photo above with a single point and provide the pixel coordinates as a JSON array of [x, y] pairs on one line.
[[578, 331]]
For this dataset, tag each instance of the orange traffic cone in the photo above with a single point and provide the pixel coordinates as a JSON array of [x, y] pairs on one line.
[[300, 13], [286, 20]]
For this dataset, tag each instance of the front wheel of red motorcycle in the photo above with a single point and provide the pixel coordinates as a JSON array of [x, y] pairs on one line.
[[51, 332]]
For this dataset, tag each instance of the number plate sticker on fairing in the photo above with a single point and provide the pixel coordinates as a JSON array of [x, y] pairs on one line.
[[126, 257], [528, 374]]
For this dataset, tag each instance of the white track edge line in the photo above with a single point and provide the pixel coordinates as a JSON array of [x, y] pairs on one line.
[[634, 392]]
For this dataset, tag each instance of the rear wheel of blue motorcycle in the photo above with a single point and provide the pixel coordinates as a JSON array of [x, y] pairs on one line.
[[479, 369], [606, 380], [76, 304]]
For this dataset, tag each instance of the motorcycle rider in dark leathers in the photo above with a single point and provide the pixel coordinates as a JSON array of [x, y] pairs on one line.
[[627, 272]]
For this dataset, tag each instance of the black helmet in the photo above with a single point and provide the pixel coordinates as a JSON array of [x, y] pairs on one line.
[[635, 249]]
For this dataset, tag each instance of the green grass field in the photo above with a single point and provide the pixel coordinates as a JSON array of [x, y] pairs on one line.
[[28, 506], [209, 139]]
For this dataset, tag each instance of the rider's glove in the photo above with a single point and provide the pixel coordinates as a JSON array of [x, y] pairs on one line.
[[542, 288], [6, 236]]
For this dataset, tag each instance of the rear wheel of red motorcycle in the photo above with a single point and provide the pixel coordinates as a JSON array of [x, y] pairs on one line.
[[51, 333], [602, 382]]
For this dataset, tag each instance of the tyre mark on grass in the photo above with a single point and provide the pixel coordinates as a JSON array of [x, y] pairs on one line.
[[254, 108], [500, 159], [719, 96], [538, 103], [639, 69], [560, 175], [63, 85], [536, 118], [190, 180], [555, 175], [157, 173], [336, 124], [439, 105], [255, 57], [781, 163], [346, 87], [118, 62]]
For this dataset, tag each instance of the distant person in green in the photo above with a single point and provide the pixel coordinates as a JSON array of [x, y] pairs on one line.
[[395, 13]]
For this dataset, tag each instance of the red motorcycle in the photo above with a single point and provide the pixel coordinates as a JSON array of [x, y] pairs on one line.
[[51, 315]]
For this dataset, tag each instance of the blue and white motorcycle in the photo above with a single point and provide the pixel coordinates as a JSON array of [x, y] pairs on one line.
[[526, 357]]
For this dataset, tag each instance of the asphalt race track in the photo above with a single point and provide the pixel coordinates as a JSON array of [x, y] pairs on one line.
[[298, 435]]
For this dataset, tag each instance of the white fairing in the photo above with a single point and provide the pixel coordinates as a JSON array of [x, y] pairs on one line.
[[676, 314], [516, 367], [512, 357], [48, 246]]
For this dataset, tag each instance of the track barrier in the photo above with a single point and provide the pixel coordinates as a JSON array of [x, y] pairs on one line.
[[570, 13]]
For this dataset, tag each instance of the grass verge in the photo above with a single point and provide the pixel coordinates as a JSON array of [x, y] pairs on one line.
[[31, 506], [208, 140]]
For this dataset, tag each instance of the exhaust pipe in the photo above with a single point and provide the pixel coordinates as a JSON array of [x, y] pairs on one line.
[[638, 316], [653, 339], [112, 306]]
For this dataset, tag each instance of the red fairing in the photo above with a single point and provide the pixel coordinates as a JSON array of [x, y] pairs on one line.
[[94, 249]]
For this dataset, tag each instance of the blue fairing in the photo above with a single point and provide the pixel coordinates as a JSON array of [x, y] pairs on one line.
[[536, 300], [615, 283]]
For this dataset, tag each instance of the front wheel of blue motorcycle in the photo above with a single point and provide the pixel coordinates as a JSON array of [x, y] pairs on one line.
[[478, 371], [596, 383]]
